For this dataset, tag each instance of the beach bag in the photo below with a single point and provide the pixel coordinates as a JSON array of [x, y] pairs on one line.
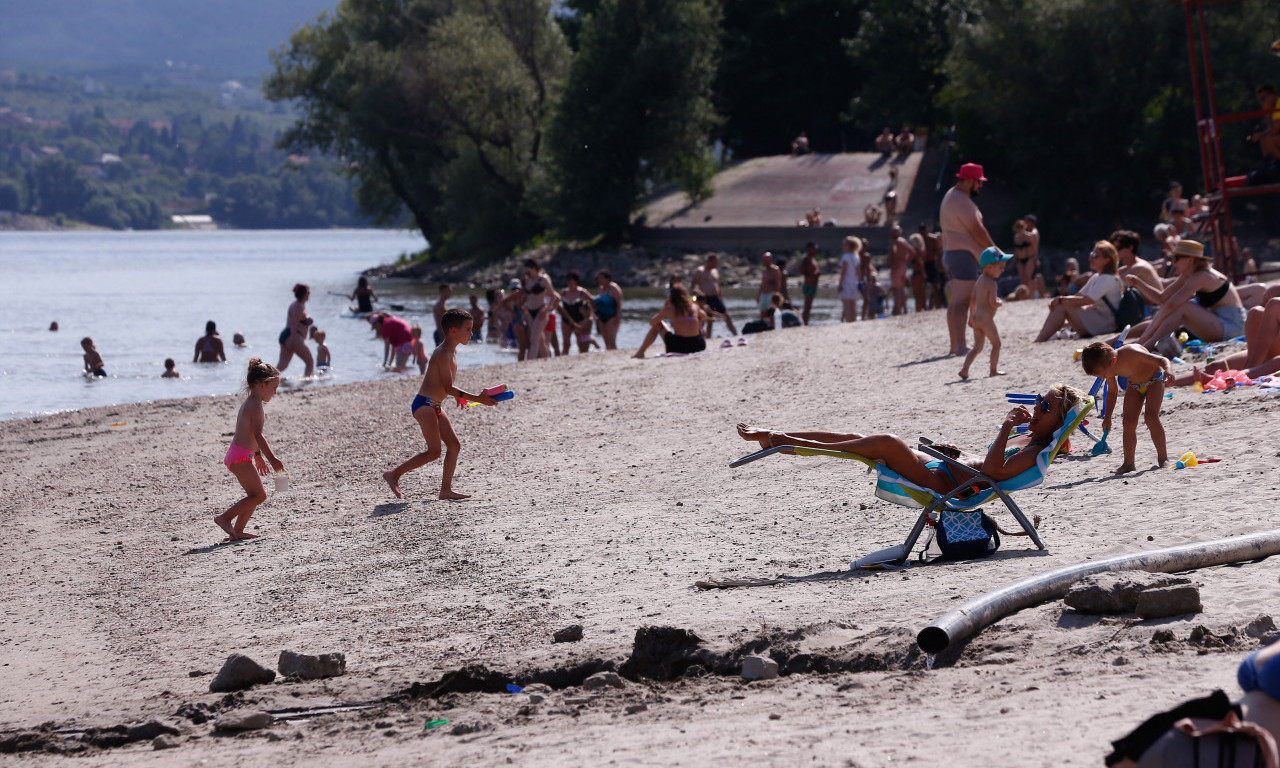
[[1131, 310], [966, 535]]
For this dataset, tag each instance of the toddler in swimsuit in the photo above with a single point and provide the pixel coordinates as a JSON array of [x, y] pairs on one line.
[[437, 385], [92, 360], [1146, 373], [248, 447]]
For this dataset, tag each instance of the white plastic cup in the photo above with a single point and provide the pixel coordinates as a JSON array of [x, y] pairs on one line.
[[282, 483]]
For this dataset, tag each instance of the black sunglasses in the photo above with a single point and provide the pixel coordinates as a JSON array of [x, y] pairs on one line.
[[1043, 405]]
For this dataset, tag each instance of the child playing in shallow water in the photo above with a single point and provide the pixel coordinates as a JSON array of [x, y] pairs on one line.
[[1135, 363], [248, 447], [170, 369], [322, 352], [427, 406], [92, 360], [419, 351], [982, 309]]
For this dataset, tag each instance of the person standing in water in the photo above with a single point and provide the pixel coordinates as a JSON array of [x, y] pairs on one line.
[[209, 346], [293, 339], [363, 296], [706, 286], [608, 305]]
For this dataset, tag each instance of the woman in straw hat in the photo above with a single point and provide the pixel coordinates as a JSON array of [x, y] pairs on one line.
[[1216, 313]]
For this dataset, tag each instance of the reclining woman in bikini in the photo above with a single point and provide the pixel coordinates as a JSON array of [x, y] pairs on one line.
[[1005, 458]]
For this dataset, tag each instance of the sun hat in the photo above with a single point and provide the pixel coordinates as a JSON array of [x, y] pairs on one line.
[[1189, 248], [993, 255], [514, 284], [971, 171]]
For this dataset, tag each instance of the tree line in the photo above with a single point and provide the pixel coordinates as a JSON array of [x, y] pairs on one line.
[[113, 170]]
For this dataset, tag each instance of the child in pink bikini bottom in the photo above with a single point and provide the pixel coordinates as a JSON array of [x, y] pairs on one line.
[[237, 454]]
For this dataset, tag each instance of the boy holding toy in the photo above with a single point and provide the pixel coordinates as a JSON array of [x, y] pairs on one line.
[[1135, 363], [427, 407]]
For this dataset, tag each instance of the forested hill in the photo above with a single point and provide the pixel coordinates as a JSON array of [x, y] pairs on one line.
[[229, 35]]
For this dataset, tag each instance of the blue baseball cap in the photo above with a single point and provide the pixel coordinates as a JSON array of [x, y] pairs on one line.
[[993, 256]]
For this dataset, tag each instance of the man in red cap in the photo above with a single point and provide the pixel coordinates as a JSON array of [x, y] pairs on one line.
[[964, 238]]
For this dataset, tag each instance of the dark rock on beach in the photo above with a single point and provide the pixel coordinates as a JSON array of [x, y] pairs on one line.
[[244, 720], [1116, 592], [570, 634], [307, 667], [1168, 601], [238, 673]]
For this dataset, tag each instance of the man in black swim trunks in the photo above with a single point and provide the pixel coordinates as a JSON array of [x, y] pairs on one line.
[[706, 288]]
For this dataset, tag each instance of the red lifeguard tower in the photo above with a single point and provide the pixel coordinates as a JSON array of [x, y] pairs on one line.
[[1221, 188]]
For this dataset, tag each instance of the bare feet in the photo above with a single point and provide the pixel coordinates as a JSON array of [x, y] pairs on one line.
[[225, 525], [243, 535], [1164, 463], [453, 495], [998, 373], [639, 355], [964, 373], [1200, 375], [1123, 469], [761, 436], [394, 482], [960, 352]]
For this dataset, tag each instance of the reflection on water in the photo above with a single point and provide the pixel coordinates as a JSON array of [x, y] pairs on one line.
[[145, 296]]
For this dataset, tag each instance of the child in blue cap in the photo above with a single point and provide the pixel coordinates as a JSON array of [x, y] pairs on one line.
[[982, 309]]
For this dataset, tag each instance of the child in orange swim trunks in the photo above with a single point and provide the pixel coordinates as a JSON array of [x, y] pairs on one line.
[[248, 447]]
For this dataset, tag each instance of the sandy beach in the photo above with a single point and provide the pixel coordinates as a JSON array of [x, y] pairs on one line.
[[601, 494]]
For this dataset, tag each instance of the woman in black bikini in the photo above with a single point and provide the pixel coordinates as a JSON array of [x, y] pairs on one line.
[[578, 313], [1028, 263], [1217, 313], [209, 346], [540, 301], [686, 319]]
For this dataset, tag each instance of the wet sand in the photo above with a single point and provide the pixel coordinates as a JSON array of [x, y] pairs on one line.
[[601, 494]]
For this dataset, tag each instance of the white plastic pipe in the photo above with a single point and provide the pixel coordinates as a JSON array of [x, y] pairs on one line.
[[988, 608]]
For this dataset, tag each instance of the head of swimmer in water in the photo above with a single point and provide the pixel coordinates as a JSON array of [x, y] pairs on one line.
[[456, 326], [238, 339], [262, 379], [301, 291], [363, 282], [210, 328]]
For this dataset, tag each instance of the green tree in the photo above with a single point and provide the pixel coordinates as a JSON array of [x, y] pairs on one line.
[[10, 195], [403, 89], [636, 111], [785, 69], [57, 187], [1086, 105]]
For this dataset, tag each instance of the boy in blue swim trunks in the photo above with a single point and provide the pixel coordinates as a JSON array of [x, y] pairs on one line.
[[437, 385], [1146, 373]]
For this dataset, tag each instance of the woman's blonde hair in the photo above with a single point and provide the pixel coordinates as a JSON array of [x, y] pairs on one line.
[[1105, 248]]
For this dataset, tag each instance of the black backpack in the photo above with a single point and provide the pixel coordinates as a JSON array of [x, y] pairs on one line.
[[1131, 310]]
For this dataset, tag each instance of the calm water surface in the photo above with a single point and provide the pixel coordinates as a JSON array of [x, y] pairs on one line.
[[145, 296]]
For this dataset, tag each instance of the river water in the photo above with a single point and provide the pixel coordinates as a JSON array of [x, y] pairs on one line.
[[145, 296]]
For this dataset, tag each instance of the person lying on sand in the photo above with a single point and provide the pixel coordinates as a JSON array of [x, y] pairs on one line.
[[1262, 349], [1005, 458]]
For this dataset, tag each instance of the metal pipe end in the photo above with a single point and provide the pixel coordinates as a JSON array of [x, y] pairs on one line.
[[933, 639]]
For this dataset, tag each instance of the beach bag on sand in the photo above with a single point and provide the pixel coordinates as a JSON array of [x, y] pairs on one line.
[[966, 535], [1131, 309], [1201, 732]]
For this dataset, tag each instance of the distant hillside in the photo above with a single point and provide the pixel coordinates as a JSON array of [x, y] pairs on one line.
[[229, 35]]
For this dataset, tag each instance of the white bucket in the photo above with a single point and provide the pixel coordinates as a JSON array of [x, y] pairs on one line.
[[282, 483]]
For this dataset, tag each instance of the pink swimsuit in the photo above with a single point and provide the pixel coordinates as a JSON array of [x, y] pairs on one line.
[[237, 454]]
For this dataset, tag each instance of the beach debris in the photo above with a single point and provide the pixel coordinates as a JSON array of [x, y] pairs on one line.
[[436, 723], [694, 670], [537, 698], [570, 634], [513, 688], [238, 673], [150, 730], [661, 653], [244, 720], [1261, 627], [1169, 600], [1116, 592], [1173, 600], [462, 729], [601, 680], [759, 668], [165, 741], [307, 667], [1162, 636], [197, 673]]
